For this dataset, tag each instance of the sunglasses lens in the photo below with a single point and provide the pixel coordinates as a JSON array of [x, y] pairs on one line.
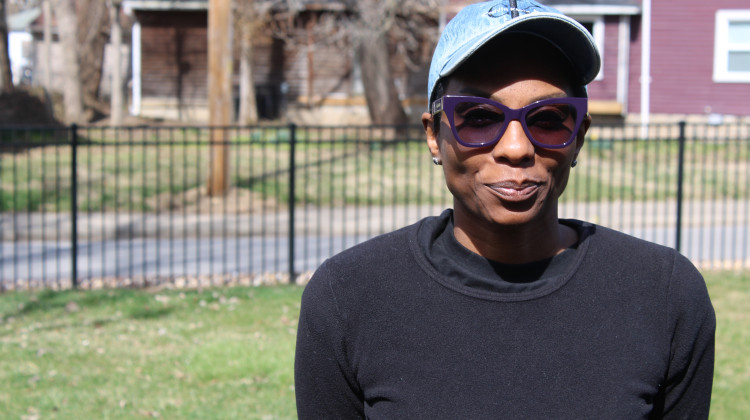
[[478, 123], [551, 124]]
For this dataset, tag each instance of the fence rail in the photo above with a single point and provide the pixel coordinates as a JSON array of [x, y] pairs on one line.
[[103, 207]]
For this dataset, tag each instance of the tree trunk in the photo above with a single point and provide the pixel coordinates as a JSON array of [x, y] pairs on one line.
[[248, 108], [67, 22], [47, 45], [93, 34], [6, 76], [116, 103], [382, 98]]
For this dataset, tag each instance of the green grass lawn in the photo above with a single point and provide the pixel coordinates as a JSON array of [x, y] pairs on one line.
[[221, 353], [124, 354], [730, 293]]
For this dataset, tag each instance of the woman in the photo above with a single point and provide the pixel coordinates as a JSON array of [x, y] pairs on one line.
[[497, 308]]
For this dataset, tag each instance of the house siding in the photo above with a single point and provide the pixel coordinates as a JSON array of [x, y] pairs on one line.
[[682, 58], [174, 51], [605, 89], [174, 55]]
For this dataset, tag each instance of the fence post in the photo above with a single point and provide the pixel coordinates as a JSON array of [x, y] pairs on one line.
[[292, 175], [680, 176], [74, 205]]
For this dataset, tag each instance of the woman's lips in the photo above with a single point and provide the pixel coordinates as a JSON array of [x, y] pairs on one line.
[[515, 191]]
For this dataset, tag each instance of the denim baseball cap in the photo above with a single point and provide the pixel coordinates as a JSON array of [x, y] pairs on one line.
[[479, 23]]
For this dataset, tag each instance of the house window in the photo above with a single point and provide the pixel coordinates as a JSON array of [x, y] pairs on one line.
[[732, 46], [595, 26]]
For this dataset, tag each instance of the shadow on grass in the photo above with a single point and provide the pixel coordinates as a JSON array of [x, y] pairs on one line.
[[150, 313], [136, 305], [65, 325]]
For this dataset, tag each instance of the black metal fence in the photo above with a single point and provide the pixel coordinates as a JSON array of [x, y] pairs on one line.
[[105, 207]]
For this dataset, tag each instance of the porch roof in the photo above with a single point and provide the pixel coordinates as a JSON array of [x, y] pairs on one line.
[[203, 4], [596, 7], [165, 4]]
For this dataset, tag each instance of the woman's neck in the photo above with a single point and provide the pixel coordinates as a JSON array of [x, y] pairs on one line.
[[516, 244]]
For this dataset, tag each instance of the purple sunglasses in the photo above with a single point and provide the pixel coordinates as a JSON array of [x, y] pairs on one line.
[[479, 122]]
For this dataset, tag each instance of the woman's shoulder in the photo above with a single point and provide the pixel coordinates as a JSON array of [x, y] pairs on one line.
[[603, 236], [615, 250], [377, 248], [359, 275], [385, 249], [378, 257]]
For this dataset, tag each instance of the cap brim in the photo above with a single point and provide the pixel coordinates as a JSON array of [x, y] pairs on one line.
[[564, 33]]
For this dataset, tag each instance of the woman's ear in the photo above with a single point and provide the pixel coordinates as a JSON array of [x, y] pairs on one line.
[[432, 137]]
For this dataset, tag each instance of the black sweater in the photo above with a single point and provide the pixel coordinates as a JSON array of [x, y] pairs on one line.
[[620, 329]]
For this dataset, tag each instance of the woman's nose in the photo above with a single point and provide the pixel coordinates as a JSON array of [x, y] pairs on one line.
[[514, 147]]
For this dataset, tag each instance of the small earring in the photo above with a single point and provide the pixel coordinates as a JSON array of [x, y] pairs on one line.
[[436, 161], [575, 162]]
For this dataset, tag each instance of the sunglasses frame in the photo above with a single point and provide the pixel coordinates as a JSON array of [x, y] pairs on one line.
[[448, 103]]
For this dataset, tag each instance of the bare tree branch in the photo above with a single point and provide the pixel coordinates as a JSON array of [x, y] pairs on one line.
[[380, 31]]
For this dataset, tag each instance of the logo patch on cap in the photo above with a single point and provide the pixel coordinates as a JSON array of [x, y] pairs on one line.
[[501, 10]]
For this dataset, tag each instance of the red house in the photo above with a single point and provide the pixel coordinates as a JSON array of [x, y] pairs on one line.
[[692, 60], [700, 58]]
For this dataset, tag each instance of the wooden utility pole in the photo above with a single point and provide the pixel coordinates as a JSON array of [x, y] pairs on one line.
[[219, 92]]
